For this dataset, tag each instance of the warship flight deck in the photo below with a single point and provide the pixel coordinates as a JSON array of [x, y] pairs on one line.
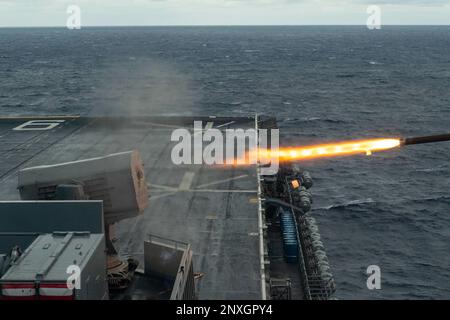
[[214, 209]]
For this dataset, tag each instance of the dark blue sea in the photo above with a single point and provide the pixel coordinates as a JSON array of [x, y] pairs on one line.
[[322, 83]]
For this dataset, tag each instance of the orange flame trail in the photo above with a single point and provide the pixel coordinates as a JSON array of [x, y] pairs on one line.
[[327, 150]]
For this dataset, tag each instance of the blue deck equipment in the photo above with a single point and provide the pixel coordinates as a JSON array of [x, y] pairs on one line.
[[290, 236]]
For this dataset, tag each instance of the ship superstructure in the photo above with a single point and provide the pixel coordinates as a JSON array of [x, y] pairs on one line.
[[208, 232]]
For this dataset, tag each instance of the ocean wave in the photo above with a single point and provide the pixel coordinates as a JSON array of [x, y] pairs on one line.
[[346, 75], [432, 199], [314, 119], [347, 204], [38, 94], [12, 105], [434, 169], [386, 204]]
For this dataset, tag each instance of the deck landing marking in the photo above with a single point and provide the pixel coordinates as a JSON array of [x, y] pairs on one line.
[[166, 125], [161, 195], [223, 190], [186, 182], [186, 186], [221, 181], [38, 125], [164, 188], [225, 124], [208, 126]]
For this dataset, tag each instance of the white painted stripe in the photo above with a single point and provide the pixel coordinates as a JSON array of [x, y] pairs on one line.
[[223, 190], [186, 182], [158, 186], [225, 124], [69, 117], [208, 126], [19, 292], [55, 292], [222, 181], [161, 196]]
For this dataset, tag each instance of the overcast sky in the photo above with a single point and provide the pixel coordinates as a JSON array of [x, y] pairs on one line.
[[222, 12]]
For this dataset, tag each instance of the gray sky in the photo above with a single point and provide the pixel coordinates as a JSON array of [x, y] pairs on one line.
[[222, 12]]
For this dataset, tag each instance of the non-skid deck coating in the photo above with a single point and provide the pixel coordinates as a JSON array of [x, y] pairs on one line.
[[214, 209]]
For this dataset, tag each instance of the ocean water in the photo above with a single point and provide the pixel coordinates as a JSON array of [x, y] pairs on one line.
[[322, 83]]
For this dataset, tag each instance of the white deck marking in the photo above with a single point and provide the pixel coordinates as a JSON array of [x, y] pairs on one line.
[[166, 125], [164, 193], [161, 196], [158, 186], [186, 182], [162, 190], [208, 126], [225, 124], [222, 190], [38, 125], [222, 181]]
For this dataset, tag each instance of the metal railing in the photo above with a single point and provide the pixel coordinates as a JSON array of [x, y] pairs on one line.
[[314, 286]]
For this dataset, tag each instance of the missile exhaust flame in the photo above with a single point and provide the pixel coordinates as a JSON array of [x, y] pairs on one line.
[[367, 147], [327, 150]]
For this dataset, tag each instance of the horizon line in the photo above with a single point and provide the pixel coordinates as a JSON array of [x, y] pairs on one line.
[[228, 25]]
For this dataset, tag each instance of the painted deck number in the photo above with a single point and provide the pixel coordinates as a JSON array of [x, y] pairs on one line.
[[38, 125]]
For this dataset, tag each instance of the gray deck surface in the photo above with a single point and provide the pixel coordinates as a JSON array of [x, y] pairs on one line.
[[214, 209]]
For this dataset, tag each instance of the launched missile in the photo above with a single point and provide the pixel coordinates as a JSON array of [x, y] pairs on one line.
[[426, 139], [286, 154]]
